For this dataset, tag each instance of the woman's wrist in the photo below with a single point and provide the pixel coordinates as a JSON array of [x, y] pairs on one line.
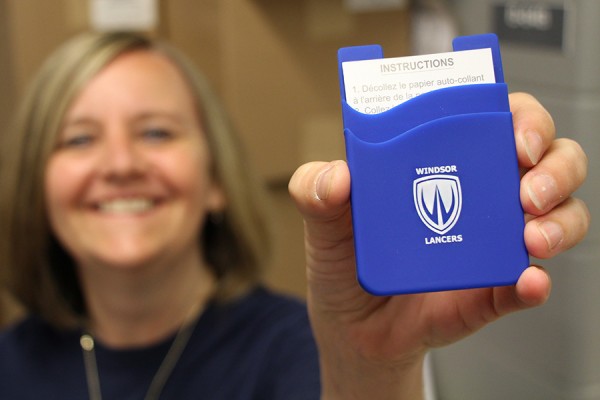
[[353, 378]]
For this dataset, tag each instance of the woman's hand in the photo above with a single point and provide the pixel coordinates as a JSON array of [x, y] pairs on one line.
[[372, 344]]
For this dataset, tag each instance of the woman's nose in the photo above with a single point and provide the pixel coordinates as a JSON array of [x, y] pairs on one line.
[[122, 159]]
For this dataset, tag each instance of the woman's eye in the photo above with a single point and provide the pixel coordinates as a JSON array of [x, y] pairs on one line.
[[77, 141], [157, 134]]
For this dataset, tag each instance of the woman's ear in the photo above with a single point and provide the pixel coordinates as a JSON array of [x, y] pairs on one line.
[[216, 201]]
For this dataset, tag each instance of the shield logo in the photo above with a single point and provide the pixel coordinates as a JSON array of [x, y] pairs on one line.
[[438, 200]]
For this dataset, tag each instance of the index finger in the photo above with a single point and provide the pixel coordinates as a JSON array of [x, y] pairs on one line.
[[534, 128]]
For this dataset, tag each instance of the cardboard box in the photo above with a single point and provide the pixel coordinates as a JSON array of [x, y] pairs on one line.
[[7, 90], [274, 65]]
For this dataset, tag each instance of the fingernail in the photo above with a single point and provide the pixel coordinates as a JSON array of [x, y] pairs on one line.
[[533, 146], [323, 184], [552, 232], [541, 189]]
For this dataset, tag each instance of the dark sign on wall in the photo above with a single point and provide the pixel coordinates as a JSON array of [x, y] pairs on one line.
[[530, 23]]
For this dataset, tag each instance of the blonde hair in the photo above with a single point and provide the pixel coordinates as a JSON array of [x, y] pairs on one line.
[[37, 269]]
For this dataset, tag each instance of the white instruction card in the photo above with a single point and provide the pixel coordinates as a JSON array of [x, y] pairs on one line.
[[374, 86]]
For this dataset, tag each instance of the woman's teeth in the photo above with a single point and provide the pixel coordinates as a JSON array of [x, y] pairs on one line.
[[126, 206]]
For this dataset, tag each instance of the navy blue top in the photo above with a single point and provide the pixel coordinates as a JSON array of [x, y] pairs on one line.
[[259, 347]]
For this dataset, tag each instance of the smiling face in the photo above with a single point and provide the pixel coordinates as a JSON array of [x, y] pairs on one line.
[[129, 182]]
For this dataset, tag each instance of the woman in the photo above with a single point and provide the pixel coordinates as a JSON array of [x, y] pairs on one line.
[[138, 248], [135, 238]]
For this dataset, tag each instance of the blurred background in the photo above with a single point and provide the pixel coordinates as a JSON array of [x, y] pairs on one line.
[[273, 62]]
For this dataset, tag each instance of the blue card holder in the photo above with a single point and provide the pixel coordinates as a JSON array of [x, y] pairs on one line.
[[435, 186]]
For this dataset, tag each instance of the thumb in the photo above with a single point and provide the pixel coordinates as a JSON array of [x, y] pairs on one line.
[[321, 192]]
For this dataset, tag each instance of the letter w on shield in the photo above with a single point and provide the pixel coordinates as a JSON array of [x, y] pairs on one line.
[[438, 200]]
